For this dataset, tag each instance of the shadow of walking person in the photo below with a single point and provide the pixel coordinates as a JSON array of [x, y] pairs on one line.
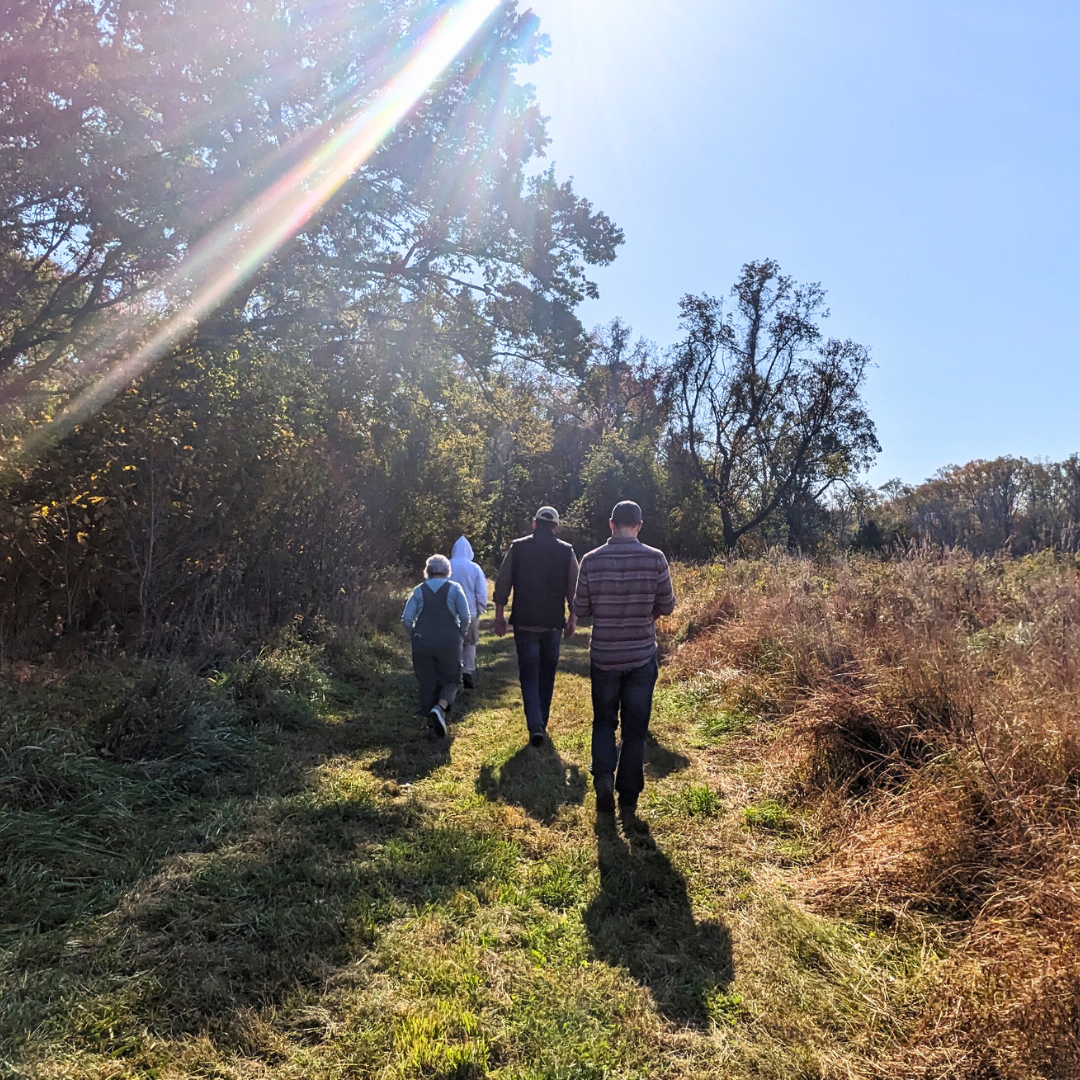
[[660, 761], [536, 779], [413, 758], [642, 920]]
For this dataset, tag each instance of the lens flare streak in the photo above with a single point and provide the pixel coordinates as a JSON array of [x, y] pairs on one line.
[[240, 245]]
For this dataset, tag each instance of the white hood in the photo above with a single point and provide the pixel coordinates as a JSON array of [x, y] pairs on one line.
[[469, 575]]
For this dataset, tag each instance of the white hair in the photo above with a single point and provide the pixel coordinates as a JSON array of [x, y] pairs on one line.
[[437, 566]]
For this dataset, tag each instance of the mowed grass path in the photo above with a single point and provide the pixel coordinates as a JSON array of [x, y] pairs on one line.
[[385, 906]]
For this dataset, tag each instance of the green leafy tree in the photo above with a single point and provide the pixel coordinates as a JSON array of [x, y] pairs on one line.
[[617, 468], [129, 131], [334, 417]]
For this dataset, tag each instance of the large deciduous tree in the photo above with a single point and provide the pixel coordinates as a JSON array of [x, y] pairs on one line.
[[767, 410], [130, 129], [332, 416]]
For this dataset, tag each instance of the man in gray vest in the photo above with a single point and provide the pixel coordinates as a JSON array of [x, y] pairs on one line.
[[541, 571]]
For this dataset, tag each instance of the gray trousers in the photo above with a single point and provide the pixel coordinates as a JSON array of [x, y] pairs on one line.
[[437, 664], [468, 650]]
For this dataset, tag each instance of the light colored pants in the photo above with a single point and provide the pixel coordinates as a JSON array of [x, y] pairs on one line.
[[468, 648]]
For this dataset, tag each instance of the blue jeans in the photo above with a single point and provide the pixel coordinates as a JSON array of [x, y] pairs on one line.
[[537, 657], [628, 693]]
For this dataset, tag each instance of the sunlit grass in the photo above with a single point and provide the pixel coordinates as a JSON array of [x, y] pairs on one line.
[[313, 888]]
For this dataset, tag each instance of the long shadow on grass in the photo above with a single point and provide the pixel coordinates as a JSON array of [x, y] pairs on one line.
[[535, 778], [409, 756], [660, 761], [642, 920], [300, 890], [244, 928], [169, 895], [390, 723], [172, 896]]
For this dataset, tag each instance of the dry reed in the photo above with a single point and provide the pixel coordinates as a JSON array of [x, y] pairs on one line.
[[930, 721]]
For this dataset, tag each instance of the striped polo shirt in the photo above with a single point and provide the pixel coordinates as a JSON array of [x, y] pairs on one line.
[[625, 586]]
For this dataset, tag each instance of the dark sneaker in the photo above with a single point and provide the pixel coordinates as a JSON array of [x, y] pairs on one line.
[[467, 680], [536, 738], [628, 806], [438, 721], [605, 793]]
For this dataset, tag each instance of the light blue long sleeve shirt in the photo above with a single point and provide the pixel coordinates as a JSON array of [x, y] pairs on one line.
[[455, 601]]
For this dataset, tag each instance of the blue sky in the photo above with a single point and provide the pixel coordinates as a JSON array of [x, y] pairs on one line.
[[921, 160]]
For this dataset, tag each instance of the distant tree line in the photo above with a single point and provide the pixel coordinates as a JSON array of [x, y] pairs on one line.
[[1008, 504]]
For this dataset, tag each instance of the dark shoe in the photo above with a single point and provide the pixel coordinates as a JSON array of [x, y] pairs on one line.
[[438, 721], [605, 794], [536, 738], [467, 680], [631, 823]]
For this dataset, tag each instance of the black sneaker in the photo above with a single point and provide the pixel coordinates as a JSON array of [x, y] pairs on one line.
[[605, 794], [628, 805], [467, 680], [438, 721], [536, 738]]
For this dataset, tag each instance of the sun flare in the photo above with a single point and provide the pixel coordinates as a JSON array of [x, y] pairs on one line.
[[242, 243]]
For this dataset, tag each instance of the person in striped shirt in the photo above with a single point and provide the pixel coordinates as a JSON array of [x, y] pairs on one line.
[[625, 586]]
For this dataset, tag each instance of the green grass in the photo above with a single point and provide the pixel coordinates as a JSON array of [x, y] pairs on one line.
[[690, 800], [727, 722], [271, 872], [767, 814]]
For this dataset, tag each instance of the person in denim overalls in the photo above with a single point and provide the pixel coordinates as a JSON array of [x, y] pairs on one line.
[[437, 618]]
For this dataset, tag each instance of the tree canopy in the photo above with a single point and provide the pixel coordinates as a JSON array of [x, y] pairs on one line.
[[129, 131]]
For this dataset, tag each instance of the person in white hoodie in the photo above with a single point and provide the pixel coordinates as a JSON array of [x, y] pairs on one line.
[[472, 579]]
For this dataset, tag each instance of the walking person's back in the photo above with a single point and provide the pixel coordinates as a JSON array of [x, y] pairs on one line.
[[625, 586], [437, 618], [541, 572], [474, 582]]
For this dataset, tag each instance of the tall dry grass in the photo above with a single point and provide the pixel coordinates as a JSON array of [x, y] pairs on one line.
[[925, 710]]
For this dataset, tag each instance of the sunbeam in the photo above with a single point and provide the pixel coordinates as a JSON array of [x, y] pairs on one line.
[[241, 244]]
